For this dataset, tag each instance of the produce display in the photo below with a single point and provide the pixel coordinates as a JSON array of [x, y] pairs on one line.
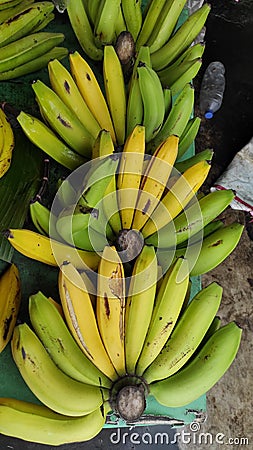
[[128, 227]]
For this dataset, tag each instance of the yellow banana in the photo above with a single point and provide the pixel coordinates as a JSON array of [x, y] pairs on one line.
[[154, 180], [43, 249], [91, 91], [10, 298], [103, 145], [177, 197], [81, 319], [7, 143], [130, 173], [110, 308], [115, 91]]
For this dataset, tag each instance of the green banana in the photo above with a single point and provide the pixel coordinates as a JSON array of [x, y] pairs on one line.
[[54, 334], [182, 166], [167, 101], [170, 75], [24, 22], [214, 250], [187, 334], [37, 423], [28, 48], [192, 52], [44, 138], [188, 135], [132, 15], [12, 11], [210, 228], [62, 119], [92, 8], [82, 28], [177, 119], [41, 25], [187, 76], [134, 114], [111, 207], [40, 216], [104, 30], [5, 4], [140, 303], [193, 219], [65, 87], [103, 144], [182, 39], [35, 64], [49, 384], [165, 24], [150, 17], [153, 101], [203, 372], [168, 304]]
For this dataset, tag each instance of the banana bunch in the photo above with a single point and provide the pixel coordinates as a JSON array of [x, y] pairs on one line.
[[129, 199], [98, 23], [25, 48], [7, 143], [92, 354], [10, 298]]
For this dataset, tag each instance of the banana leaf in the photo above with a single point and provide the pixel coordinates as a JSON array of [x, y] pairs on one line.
[[17, 187]]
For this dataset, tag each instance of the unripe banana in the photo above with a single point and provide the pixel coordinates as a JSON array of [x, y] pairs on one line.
[[182, 166], [11, 11], [132, 16], [203, 372], [104, 30], [151, 15], [188, 135], [49, 384]]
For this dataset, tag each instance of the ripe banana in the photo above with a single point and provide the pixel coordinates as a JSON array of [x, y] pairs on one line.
[[150, 17], [154, 180], [62, 119], [45, 139], [24, 22], [165, 24], [132, 15], [89, 87], [82, 28], [130, 173], [54, 253], [178, 196], [54, 334], [10, 295], [153, 101], [193, 219], [188, 135], [204, 370], [28, 48], [187, 334], [115, 91], [7, 143], [81, 319], [65, 87], [183, 38], [48, 383], [140, 303], [110, 307], [177, 119], [37, 423], [107, 15], [168, 304], [35, 64]]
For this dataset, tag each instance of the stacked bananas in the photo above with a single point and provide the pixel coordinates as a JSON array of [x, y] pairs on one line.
[[7, 143], [92, 354], [10, 299], [75, 109], [25, 48], [127, 199]]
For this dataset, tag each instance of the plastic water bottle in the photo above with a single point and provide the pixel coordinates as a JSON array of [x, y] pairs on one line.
[[212, 89]]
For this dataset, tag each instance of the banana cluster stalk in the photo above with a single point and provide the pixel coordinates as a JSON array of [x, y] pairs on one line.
[[25, 48], [127, 200], [10, 298], [92, 354], [7, 143]]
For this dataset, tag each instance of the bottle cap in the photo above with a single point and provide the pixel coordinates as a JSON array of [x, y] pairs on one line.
[[208, 114]]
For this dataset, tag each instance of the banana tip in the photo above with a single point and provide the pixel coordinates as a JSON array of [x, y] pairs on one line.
[[7, 234]]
